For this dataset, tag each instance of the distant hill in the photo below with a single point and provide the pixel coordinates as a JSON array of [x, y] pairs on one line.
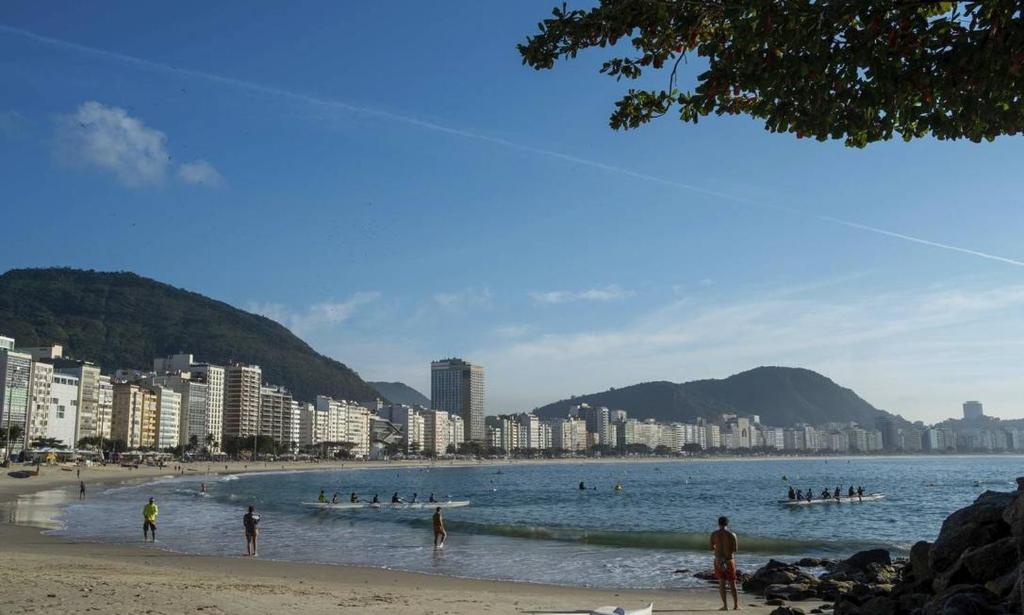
[[781, 396], [401, 393], [124, 320]]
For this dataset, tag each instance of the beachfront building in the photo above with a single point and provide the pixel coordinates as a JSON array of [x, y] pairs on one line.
[[456, 431], [712, 436], [168, 416], [341, 421], [436, 432], [242, 389], [597, 419], [93, 420], [973, 411], [457, 387], [279, 416], [15, 396], [568, 434], [62, 411], [201, 386], [40, 401], [135, 413], [529, 431]]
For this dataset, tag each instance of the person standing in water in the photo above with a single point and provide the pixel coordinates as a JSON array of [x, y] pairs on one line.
[[440, 535], [149, 514], [81, 490], [249, 521], [724, 544]]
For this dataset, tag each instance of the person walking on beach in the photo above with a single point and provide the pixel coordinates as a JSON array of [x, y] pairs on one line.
[[149, 514], [440, 535], [249, 521], [81, 490], [724, 544]]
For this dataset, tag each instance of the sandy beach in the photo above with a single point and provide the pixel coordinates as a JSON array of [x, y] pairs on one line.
[[47, 574]]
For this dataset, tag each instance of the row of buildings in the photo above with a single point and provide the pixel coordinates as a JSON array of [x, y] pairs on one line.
[[45, 396]]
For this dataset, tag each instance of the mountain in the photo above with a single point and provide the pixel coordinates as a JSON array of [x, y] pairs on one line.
[[124, 320], [781, 396], [401, 393]]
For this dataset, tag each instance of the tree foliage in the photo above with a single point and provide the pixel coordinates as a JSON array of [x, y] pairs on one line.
[[832, 69]]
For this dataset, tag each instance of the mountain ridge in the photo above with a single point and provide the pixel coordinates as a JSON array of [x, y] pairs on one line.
[[124, 320], [781, 396], [401, 393]]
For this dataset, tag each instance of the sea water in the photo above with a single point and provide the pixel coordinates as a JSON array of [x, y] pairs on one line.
[[531, 522]]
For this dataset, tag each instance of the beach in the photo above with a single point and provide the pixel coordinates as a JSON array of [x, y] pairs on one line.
[[48, 574]]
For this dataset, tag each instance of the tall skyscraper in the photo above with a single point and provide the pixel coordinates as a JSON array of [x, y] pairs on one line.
[[242, 390], [457, 387], [973, 410]]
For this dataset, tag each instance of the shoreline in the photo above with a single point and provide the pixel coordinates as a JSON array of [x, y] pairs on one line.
[[49, 573]]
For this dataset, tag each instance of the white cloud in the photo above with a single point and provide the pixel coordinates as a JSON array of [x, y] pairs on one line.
[[464, 299], [316, 315], [512, 331], [109, 139], [611, 292], [199, 172]]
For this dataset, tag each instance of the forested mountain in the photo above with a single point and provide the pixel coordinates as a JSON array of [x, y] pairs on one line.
[[124, 320], [401, 393]]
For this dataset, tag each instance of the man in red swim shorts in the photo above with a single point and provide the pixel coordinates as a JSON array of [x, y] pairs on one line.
[[723, 543]]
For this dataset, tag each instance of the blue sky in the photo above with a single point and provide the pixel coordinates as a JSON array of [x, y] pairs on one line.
[[392, 184]]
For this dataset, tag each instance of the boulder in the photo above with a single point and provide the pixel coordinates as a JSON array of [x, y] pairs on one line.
[[787, 610], [963, 600], [832, 589], [776, 573], [911, 602], [957, 574], [861, 560], [1013, 515], [880, 605], [1005, 584], [919, 567], [992, 560], [796, 592], [953, 541]]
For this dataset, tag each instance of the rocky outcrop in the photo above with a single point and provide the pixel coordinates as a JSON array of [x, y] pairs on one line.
[[972, 568]]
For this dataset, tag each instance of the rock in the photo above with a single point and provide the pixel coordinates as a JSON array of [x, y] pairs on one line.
[[919, 567], [880, 605], [814, 562], [774, 602], [776, 573], [787, 610], [1004, 584], [831, 589], [796, 592], [958, 574], [962, 600], [992, 560], [955, 540], [861, 560], [879, 574], [912, 602], [1013, 515]]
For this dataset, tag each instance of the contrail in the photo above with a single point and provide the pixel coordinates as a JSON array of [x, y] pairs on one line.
[[441, 128]]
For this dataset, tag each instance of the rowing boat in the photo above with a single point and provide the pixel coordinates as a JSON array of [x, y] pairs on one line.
[[867, 497], [385, 505]]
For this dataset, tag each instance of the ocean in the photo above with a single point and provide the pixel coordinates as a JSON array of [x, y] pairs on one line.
[[531, 522]]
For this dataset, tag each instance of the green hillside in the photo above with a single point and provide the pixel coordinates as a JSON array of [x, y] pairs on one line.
[[124, 320], [401, 393]]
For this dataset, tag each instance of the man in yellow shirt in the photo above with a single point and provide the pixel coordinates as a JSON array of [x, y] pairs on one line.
[[149, 513]]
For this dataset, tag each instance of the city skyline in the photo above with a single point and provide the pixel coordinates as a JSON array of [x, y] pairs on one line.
[[574, 258]]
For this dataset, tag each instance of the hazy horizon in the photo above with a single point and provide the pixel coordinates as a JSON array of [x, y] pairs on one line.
[[398, 194]]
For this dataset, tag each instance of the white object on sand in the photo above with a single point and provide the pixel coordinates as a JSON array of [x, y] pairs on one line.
[[612, 610]]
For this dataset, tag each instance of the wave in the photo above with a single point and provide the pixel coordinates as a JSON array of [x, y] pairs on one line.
[[666, 540]]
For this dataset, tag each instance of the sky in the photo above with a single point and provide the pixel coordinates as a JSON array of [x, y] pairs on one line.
[[392, 184]]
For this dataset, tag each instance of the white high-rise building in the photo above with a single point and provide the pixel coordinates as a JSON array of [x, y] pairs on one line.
[[168, 413], [529, 430], [209, 412], [436, 432], [569, 434], [40, 400], [457, 387], [345, 422], [63, 408], [279, 417], [597, 419], [93, 421]]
